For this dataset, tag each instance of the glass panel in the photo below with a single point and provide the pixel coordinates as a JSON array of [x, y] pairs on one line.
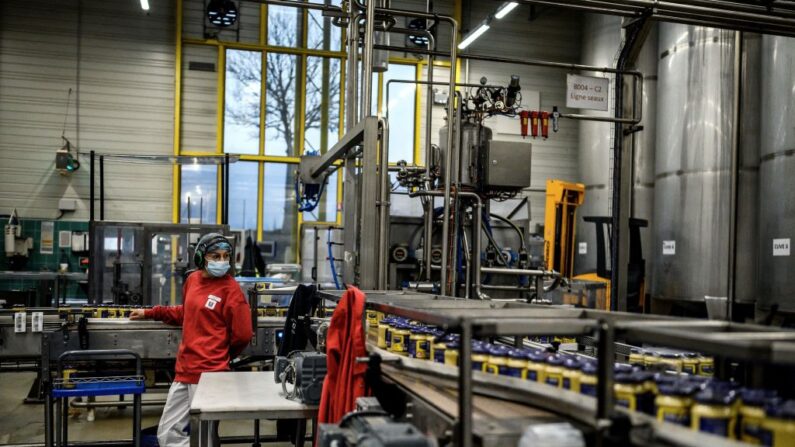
[[242, 101], [401, 108], [284, 23], [243, 195], [326, 210], [321, 34], [198, 185], [280, 211], [322, 117], [280, 104]]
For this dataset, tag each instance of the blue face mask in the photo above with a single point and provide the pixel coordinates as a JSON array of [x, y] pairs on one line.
[[217, 268]]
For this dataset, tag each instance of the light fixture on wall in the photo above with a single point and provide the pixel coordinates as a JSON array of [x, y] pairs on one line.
[[484, 26], [145, 5], [473, 35], [505, 9], [222, 13]]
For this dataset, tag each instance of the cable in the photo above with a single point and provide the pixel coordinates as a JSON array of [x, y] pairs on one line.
[[516, 228], [330, 244]]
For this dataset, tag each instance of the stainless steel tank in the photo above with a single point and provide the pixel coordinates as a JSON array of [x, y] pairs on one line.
[[470, 141], [692, 164], [601, 39], [776, 181]]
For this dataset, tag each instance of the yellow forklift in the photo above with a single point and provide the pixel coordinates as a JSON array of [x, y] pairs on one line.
[[560, 222]]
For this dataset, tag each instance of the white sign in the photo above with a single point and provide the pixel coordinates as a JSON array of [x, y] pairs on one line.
[[47, 238], [781, 247], [583, 248], [20, 322], [64, 239], [587, 92], [669, 248], [37, 322]]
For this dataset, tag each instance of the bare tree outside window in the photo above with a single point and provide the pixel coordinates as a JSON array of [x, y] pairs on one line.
[[244, 69]]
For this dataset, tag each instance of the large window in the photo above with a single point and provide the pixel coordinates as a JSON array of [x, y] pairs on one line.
[[274, 101], [242, 101], [281, 84], [243, 207], [399, 99], [280, 211], [322, 117], [198, 188]]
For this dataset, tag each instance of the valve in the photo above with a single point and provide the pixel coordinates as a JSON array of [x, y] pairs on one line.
[[555, 119]]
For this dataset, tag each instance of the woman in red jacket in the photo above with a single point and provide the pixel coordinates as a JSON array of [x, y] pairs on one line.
[[216, 327]]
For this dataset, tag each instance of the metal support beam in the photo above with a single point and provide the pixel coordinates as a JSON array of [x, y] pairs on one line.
[[352, 138], [369, 253]]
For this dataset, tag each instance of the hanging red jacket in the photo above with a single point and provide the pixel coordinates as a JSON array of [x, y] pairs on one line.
[[345, 341]]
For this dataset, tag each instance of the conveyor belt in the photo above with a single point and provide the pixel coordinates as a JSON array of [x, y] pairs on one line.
[[150, 339]]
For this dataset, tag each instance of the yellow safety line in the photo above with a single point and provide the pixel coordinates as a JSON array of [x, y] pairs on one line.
[[175, 170], [219, 127]]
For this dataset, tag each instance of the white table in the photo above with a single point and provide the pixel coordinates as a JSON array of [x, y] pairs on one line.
[[243, 395]]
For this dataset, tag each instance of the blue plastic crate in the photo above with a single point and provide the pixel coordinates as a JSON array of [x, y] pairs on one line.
[[98, 386]]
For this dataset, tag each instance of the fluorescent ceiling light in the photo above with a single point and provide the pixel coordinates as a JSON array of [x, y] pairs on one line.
[[505, 9], [472, 36], [145, 5]]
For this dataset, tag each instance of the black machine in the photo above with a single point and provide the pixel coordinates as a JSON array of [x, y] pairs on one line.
[[371, 428]]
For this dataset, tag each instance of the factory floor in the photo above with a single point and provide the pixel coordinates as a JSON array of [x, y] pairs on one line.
[[22, 423]]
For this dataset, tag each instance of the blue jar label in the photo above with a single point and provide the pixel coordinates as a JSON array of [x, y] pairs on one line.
[[438, 355], [680, 418], [532, 375], [511, 372], [588, 389], [553, 380], [716, 426]]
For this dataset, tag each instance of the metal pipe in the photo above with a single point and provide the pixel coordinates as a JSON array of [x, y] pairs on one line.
[[121, 403], [508, 288], [453, 264], [520, 272], [468, 258], [383, 206], [465, 387], [428, 209], [295, 4], [705, 10], [101, 187], [637, 78], [350, 82], [367, 59], [91, 188], [448, 162], [476, 243], [734, 169]]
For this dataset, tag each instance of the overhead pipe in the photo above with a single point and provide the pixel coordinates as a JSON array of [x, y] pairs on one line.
[[717, 13], [637, 78]]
